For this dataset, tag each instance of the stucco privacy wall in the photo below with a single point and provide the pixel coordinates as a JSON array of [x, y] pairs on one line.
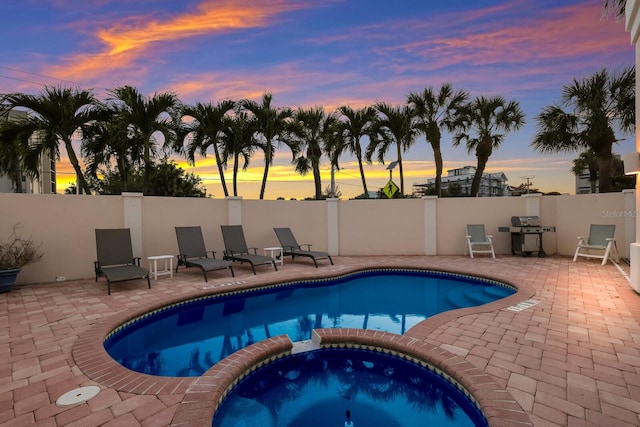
[[380, 227], [575, 213], [65, 224], [454, 215], [160, 217], [307, 220], [547, 212]]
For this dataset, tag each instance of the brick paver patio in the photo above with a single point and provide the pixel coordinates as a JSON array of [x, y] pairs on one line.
[[570, 359]]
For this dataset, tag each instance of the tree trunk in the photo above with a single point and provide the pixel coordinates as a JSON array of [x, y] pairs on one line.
[[437, 156], [604, 167], [81, 183], [120, 162], [17, 179], [317, 181], [603, 152], [220, 170], [434, 137], [235, 175], [267, 162], [364, 182], [475, 184], [400, 169], [483, 152]]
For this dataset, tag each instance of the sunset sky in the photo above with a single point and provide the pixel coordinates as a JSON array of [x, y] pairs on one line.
[[322, 53]]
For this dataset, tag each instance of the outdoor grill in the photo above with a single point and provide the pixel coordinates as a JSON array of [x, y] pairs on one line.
[[526, 235]]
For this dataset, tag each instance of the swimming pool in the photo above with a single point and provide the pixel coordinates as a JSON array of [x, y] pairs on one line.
[[317, 388], [188, 338]]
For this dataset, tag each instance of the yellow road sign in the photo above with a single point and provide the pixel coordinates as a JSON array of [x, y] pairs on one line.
[[390, 189]]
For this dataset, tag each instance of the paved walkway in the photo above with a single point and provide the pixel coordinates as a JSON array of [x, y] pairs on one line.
[[571, 359]]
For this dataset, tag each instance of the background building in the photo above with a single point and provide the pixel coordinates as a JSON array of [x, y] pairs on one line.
[[620, 180], [458, 182], [583, 184], [46, 184]]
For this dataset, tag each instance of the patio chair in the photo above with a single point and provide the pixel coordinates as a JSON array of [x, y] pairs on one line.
[[235, 248], [291, 247], [601, 239], [115, 259], [193, 252], [476, 237]]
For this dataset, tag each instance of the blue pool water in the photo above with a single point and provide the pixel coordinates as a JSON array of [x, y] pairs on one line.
[[316, 388], [187, 339]]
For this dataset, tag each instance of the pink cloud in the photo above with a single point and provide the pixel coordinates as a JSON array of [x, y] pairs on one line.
[[541, 38], [125, 42]]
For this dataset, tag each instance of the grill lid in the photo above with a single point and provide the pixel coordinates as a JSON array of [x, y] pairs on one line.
[[525, 221]]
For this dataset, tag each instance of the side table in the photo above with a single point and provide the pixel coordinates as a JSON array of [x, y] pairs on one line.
[[275, 252], [153, 266]]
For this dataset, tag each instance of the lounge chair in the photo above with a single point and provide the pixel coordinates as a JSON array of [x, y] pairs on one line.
[[476, 237], [236, 248], [291, 247], [601, 239], [193, 252], [115, 257]]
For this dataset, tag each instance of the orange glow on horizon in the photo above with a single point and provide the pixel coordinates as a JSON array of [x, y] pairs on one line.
[[284, 182]]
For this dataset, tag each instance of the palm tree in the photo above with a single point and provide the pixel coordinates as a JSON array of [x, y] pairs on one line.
[[615, 7], [53, 116], [105, 142], [206, 131], [272, 125], [436, 112], [315, 130], [595, 105], [239, 141], [394, 126], [14, 145], [352, 126], [144, 119], [587, 160], [480, 121]]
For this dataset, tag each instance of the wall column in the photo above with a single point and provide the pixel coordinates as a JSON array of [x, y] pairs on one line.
[[333, 242], [632, 25], [630, 213], [235, 210], [533, 203], [132, 219], [430, 225]]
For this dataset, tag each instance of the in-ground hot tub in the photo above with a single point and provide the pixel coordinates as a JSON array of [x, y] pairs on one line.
[[318, 387]]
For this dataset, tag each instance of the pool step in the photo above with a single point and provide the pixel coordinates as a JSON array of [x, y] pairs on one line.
[[479, 294], [473, 295], [498, 291]]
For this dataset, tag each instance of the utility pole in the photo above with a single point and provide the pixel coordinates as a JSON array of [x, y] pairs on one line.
[[528, 179]]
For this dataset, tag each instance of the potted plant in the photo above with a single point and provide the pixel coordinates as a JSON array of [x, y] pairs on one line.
[[15, 253]]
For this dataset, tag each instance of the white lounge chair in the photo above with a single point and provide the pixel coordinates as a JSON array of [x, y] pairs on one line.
[[601, 240], [476, 237]]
